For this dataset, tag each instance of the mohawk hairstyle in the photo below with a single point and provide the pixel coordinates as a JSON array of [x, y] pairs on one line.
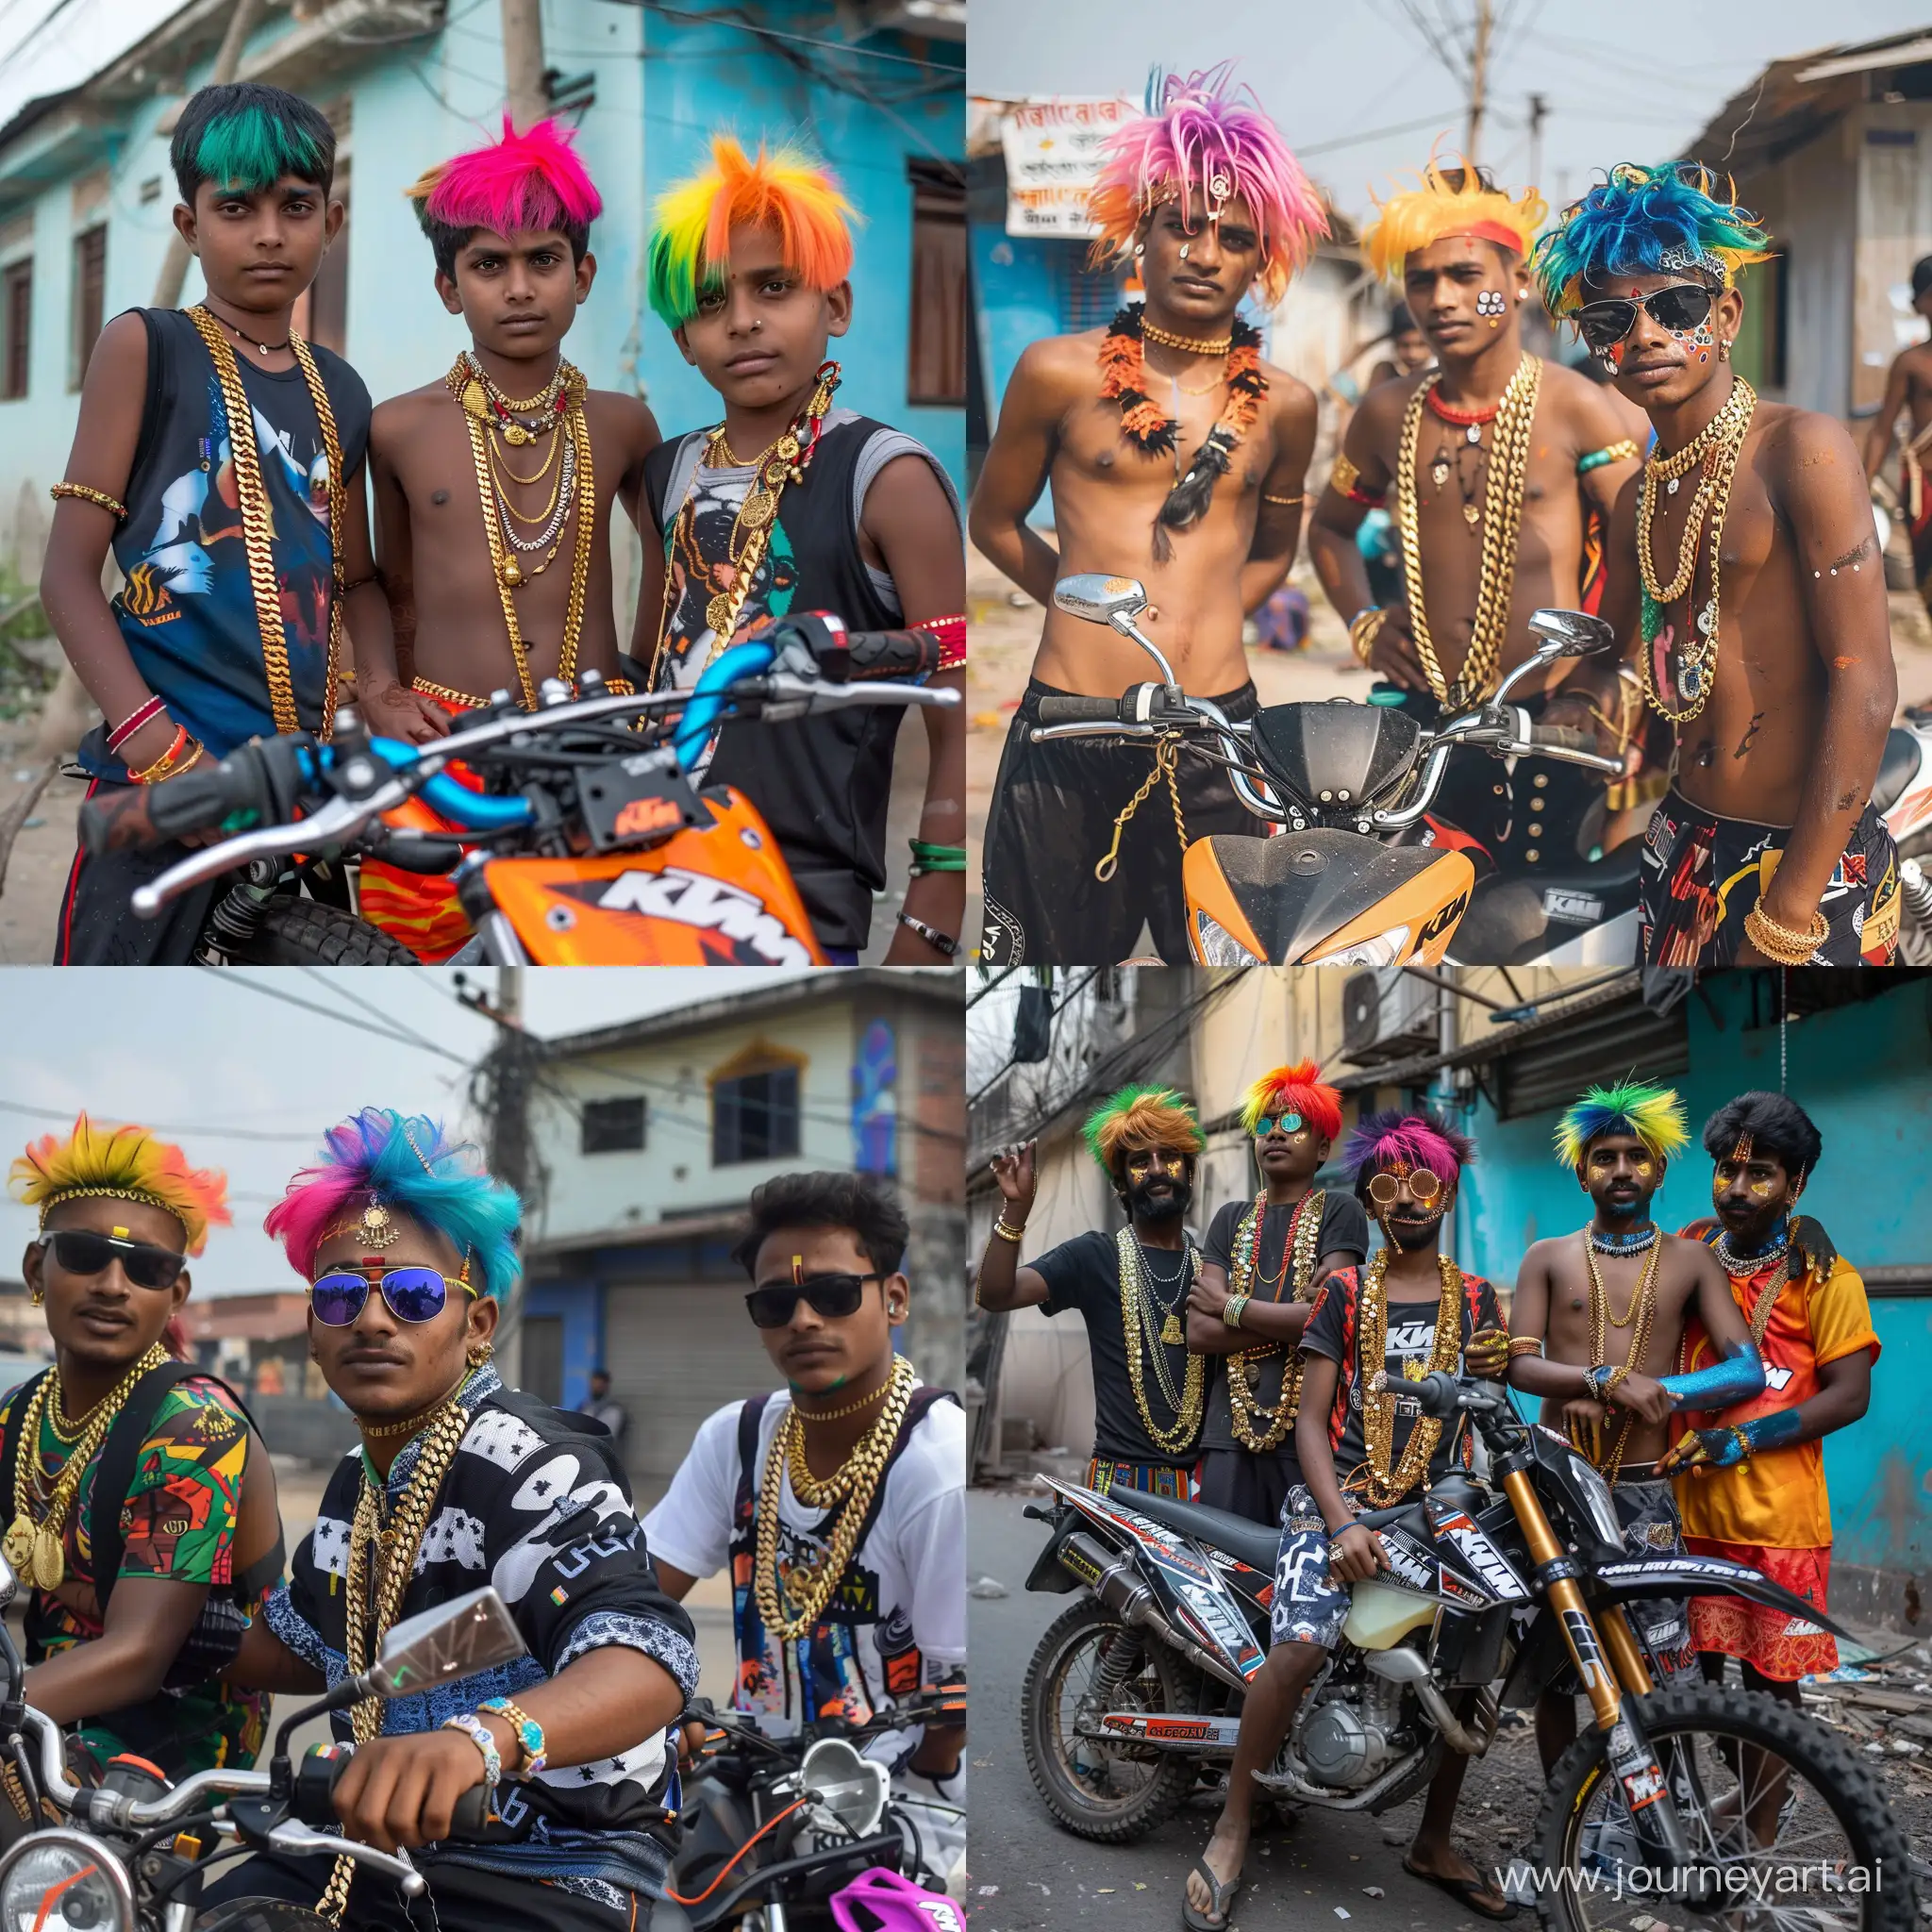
[[1654, 1114], [784, 189], [1395, 1139], [244, 134], [530, 180], [1449, 199], [405, 1162], [123, 1164], [1297, 1088], [1138, 1119], [1769, 1120], [1648, 221], [1197, 128]]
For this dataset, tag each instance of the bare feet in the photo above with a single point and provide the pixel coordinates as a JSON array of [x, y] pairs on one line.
[[1227, 1851], [1441, 1862]]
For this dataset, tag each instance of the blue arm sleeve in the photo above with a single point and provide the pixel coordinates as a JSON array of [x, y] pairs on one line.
[[1775, 1430], [1736, 1378]]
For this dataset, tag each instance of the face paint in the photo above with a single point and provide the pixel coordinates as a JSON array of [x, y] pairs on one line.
[[1491, 302], [798, 1271], [121, 1234]]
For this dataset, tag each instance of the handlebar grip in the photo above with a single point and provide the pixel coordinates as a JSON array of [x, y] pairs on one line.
[[893, 652], [1079, 711], [321, 1770], [1562, 738], [471, 1815], [147, 815]]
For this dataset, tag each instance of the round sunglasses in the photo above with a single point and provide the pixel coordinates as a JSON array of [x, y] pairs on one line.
[[411, 1294], [78, 1251], [1680, 308], [1287, 1123], [1385, 1189], [774, 1302]]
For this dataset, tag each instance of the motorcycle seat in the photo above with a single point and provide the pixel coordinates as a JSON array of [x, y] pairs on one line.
[[1897, 767], [1253, 1543], [1515, 916]]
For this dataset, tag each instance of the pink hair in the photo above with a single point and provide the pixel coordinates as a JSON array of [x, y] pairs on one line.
[[1391, 1138], [530, 180]]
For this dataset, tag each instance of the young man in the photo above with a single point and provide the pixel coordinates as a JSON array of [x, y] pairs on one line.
[[794, 504], [495, 484], [840, 1506], [1493, 466], [1604, 1376], [1759, 624], [1260, 1266], [1908, 387], [1362, 1444], [1130, 1289], [604, 1407], [222, 456], [1175, 455], [1751, 1485], [408, 1251], [144, 1527]]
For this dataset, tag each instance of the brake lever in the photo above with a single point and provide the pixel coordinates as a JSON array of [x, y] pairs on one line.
[[297, 1840], [336, 823]]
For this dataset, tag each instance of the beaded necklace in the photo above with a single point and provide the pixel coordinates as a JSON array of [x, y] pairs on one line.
[[1383, 1484], [1257, 1428], [1138, 1329], [1622, 1244]]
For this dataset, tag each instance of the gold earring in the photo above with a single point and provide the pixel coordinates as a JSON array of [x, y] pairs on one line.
[[480, 1354], [1724, 351], [39, 1295]]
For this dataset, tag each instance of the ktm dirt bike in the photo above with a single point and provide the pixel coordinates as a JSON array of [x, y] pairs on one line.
[[1343, 784], [1705, 1800], [586, 846]]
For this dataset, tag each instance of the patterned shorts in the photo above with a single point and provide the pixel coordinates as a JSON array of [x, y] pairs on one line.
[[1774, 1645], [1308, 1608], [1150, 1478]]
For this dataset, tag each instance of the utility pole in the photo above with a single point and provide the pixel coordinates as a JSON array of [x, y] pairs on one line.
[[1478, 81], [500, 1089], [1539, 111], [525, 93]]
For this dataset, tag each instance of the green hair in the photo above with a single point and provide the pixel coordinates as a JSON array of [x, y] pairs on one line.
[[1653, 1114], [248, 136]]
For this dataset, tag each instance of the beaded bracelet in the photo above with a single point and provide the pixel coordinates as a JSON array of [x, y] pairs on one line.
[[478, 1732], [86, 493], [941, 942], [134, 720], [950, 633], [529, 1733], [1610, 453]]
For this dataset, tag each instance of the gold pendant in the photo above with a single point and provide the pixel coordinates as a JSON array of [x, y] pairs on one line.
[[19, 1545], [1439, 470], [516, 433], [1171, 1331], [50, 1560], [1472, 514], [513, 574], [718, 614], [474, 401], [760, 507]]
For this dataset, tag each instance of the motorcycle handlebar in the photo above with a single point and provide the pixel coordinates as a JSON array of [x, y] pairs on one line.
[[321, 1770], [1078, 711], [893, 653], [142, 816], [1561, 738]]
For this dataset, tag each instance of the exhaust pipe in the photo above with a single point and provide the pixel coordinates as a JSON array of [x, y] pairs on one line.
[[1405, 1667], [1111, 1578]]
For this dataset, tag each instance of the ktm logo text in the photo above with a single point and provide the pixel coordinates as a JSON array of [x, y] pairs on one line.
[[686, 898]]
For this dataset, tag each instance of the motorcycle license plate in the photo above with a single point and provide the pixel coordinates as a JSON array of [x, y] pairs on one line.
[[634, 802]]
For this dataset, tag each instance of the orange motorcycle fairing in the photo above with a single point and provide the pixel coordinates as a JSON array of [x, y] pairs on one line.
[[719, 894]]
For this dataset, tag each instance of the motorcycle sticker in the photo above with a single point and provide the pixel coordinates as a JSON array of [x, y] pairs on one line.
[[1590, 1661], [1484, 1557], [1636, 1769], [1571, 908], [1213, 1731], [1684, 1566], [1408, 1565], [1439, 922], [1223, 1624], [688, 898]]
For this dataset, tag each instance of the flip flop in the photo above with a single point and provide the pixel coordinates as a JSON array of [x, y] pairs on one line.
[[1469, 1892], [1221, 1898]]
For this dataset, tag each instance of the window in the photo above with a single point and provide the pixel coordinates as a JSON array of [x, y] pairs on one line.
[[89, 298], [16, 320], [754, 1116], [613, 1126], [936, 342]]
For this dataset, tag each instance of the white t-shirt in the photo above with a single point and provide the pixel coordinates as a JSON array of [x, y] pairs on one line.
[[898, 1622]]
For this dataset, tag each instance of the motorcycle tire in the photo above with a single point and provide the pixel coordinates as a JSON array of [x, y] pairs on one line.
[[304, 932], [1072, 1805], [262, 1915], [1856, 1796]]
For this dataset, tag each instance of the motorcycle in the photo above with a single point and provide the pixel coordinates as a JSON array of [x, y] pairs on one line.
[[1903, 797], [1343, 784], [1497, 1581], [585, 846]]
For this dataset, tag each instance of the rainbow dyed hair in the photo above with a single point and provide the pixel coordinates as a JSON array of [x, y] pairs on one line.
[[122, 1164], [1198, 132], [1648, 221], [402, 1162], [1395, 1139], [782, 188], [1139, 1120], [244, 134], [1449, 198], [1653, 1114], [534, 181], [1295, 1089]]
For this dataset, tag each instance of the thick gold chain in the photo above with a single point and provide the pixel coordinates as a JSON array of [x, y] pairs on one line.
[[1134, 1315], [1767, 1300], [788, 1613], [1502, 525], [1254, 1427], [1640, 1313], [1385, 1485]]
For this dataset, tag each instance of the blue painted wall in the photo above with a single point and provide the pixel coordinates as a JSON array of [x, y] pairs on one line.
[[581, 1305], [1016, 283]]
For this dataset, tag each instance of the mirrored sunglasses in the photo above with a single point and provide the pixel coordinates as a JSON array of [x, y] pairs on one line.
[[1385, 1189], [1680, 307], [78, 1251], [1287, 1123], [773, 1304], [411, 1294]]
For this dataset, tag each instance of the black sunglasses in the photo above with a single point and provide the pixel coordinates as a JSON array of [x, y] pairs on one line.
[[833, 1296], [78, 1251], [1680, 308]]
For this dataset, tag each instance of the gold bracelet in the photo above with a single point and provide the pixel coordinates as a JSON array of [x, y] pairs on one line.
[[86, 493], [1365, 629], [1526, 1345], [1779, 943], [1233, 1309], [1286, 502], [1343, 477], [1006, 1233]]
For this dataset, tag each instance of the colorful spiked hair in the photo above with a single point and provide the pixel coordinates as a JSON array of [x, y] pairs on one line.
[[1395, 1139], [1653, 1114], [1198, 132], [1297, 1088], [244, 134], [122, 1164], [1138, 1119], [529, 180], [403, 1163], [784, 189], [1648, 221], [1449, 198]]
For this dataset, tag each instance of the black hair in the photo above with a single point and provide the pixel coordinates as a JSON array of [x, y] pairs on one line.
[[446, 243], [1778, 1125], [1401, 323], [861, 1202], [245, 134], [1922, 276]]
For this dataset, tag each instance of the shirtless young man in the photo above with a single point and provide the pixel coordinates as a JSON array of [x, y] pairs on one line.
[[495, 595], [1507, 457], [1908, 385], [1175, 456], [1565, 1333], [1758, 615]]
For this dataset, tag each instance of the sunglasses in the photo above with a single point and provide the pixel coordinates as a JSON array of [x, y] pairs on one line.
[[411, 1294], [1287, 1123], [1385, 1189], [1680, 308], [833, 1296], [78, 1252]]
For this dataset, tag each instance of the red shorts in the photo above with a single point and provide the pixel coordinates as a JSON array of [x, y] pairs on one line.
[[1774, 1645]]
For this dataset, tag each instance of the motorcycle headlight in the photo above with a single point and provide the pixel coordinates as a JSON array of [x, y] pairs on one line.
[[1218, 947], [1384, 949], [1596, 1495], [64, 1879], [850, 1787]]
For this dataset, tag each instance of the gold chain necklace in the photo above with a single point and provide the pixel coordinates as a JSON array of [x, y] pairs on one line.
[[499, 464], [809, 1416], [1502, 516], [257, 522], [1134, 1320], [1195, 345], [35, 1549], [1641, 1313], [544, 403], [1386, 1485], [1255, 1428], [788, 1612]]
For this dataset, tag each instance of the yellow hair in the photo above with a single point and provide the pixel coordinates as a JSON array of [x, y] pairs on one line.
[[122, 1164], [1449, 199]]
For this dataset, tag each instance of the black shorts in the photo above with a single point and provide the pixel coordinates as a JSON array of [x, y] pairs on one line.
[[97, 926], [1051, 823], [1245, 1484]]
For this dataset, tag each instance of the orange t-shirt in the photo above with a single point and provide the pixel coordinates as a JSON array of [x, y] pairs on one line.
[[1777, 1498]]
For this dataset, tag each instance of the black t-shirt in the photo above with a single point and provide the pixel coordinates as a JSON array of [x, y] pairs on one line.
[[1333, 1331], [1085, 1274], [1344, 1229]]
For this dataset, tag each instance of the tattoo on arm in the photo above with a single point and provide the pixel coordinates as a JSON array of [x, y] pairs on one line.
[[1853, 556], [1744, 743], [1846, 800]]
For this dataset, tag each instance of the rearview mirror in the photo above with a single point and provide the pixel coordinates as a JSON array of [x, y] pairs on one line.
[[1099, 599], [1570, 634], [450, 1641]]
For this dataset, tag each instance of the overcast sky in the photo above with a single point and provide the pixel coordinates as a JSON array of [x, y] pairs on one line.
[[1630, 82], [248, 1081]]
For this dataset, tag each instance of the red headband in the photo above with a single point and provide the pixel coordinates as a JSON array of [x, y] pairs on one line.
[[1504, 235]]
